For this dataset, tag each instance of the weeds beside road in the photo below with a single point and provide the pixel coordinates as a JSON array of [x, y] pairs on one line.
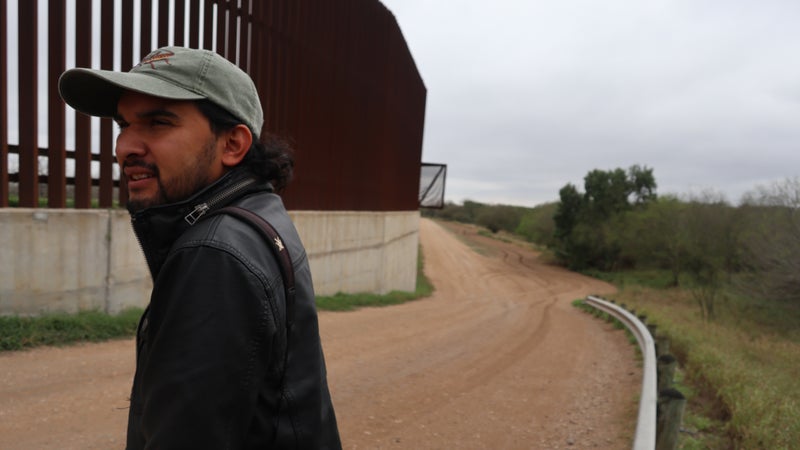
[[17, 333], [740, 370]]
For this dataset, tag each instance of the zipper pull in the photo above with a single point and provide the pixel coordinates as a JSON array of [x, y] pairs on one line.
[[198, 212]]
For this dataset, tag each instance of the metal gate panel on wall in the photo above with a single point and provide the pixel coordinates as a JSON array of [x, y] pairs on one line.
[[336, 80], [431, 185]]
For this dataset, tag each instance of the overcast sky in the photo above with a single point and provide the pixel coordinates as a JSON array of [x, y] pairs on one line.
[[525, 96]]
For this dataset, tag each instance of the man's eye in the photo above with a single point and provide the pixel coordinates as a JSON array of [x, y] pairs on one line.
[[159, 122]]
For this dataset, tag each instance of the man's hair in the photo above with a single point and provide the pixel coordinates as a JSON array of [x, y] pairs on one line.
[[268, 157]]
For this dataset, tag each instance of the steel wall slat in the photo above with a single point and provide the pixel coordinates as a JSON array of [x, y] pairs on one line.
[[208, 20], [233, 26], [83, 151], [180, 26], [106, 193], [291, 61], [278, 68], [56, 126], [126, 36], [269, 66], [221, 25], [28, 110], [3, 109], [194, 23], [257, 58], [146, 29], [126, 58], [244, 27], [163, 24]]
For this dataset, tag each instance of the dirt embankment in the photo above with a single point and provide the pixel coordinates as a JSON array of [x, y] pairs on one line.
[[496, 358]]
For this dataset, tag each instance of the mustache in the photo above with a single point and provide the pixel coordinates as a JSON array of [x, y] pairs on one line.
[[138, 163]]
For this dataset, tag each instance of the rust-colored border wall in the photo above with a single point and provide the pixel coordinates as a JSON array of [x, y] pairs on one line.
[[336, 80]]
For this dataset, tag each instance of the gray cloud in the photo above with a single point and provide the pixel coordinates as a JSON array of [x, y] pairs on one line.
[[525, 96]]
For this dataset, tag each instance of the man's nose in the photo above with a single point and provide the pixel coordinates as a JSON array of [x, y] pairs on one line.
[[129, 146]]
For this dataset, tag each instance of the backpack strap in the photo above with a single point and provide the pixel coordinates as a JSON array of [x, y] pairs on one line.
[[276, 245], [281, 254]]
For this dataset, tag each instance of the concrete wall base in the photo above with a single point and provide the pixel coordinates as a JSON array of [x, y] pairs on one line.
[[354, 252], [61, 260]]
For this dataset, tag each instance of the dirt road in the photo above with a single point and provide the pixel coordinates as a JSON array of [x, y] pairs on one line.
[[496, 358]]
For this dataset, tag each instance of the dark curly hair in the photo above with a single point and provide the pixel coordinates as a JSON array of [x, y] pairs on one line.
[[269, 157]]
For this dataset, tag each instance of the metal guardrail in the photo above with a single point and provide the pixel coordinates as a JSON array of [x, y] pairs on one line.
[[645, 438]]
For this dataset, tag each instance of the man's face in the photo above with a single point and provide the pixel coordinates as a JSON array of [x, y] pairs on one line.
[[165, 149]]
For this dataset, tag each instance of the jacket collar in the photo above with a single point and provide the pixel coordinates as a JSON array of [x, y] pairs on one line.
[[158, 227]]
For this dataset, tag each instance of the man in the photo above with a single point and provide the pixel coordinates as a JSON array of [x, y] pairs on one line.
[[218, 363]]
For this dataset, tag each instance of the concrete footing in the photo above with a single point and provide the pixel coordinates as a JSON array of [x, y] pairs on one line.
[[63, 260]]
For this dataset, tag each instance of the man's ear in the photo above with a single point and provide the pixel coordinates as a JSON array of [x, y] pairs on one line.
[[237, 143]]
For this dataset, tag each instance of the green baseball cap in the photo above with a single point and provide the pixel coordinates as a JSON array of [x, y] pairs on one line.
[[176, 73]]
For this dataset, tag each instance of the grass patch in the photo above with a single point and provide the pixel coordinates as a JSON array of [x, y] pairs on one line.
[[490, 235], [349, 302], [13, 202], [17, 333], [602, 315], [742, 369], [653, 278], [704, 418]]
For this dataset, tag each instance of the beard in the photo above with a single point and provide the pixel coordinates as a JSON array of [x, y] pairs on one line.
[[192, 179]]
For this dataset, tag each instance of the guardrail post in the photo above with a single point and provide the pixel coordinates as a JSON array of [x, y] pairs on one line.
[[662, 345], [666, 371], [671, 404]]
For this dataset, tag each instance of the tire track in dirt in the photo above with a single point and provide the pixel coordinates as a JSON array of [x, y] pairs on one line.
[[496, 358]]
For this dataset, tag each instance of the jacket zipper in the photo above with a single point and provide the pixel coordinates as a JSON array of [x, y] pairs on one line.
[[199, 211], [202, 208]]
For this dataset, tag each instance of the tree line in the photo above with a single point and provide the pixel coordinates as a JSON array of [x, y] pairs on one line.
[[617, 222]]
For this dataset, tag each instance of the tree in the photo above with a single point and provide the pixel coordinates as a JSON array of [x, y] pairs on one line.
[[657, 236], [498, 217], [711, 248], [584, 223], [642, 184], [567, 211], [538, 224], [771, 241], [606, 193]]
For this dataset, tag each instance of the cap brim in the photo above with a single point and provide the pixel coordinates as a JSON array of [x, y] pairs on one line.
[[96, 92]]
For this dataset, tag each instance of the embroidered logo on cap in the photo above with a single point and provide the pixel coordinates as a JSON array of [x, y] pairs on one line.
[[158, 55]]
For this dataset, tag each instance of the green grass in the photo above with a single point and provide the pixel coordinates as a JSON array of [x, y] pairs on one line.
[[349, 302], [13, 202], [740, 370], [703, 419], [656, 279], [17, 333], [489, 234], [585, 307]]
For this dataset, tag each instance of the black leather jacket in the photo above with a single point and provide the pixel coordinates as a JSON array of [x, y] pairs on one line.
[[212, 343]]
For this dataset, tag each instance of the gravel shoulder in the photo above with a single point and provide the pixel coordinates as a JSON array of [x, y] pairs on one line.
[[496, 358]]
